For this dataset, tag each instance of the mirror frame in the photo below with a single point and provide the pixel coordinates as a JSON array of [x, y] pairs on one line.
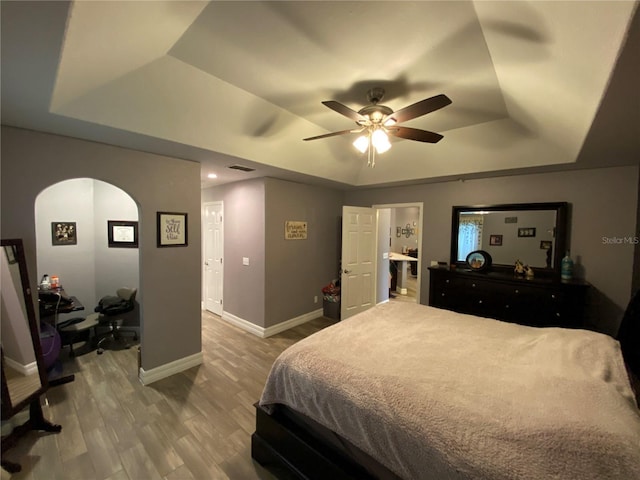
[[561, 210], [8, 408]]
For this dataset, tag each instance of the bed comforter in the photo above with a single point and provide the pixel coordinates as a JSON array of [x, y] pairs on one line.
[[436, 394]]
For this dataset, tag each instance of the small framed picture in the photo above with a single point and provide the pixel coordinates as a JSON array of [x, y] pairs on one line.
[[545, 244], [510, 219], [495, 240], [64, 233], [172, 229], [527, 232], [122, 234]]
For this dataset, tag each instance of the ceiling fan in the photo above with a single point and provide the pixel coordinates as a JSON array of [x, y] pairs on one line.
[[375, 121]]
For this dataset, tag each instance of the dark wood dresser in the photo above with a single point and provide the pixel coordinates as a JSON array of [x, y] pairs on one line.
[[537, 302]]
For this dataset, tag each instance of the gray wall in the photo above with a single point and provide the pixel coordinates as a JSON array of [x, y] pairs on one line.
[[399, 218], [169, 277], [296, 270], [115, 267], [603, 204], [284, 275], [383, 279], [525, 249], [244, 234]]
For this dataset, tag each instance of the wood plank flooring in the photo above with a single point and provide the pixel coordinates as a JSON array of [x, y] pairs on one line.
[[193, 425]]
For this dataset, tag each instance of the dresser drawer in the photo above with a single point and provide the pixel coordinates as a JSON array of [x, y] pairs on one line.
[[507, 298]]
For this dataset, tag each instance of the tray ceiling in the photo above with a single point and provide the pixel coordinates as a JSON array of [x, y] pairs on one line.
[[242, 82]]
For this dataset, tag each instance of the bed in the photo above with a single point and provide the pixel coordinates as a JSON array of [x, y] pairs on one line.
[[406, 391]]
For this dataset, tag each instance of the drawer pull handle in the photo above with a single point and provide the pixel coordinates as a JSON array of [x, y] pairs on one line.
[[446, 281], [517, 291], [553, 296], [479, 301], [473, 285], [442, 295]]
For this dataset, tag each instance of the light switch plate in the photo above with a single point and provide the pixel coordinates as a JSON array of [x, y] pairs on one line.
[[245, 260]]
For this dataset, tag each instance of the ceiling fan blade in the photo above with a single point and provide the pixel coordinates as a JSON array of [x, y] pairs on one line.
[[333, 134], [415, 134], [344, 110], [420, 108]]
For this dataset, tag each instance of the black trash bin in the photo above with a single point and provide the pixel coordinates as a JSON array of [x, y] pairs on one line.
[[331, 301]]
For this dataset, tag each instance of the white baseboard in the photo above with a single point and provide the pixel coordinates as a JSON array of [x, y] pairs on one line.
[[25, 370], [149, 376], [273, 329]]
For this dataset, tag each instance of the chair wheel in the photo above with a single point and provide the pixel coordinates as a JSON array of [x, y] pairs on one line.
[[100, 351]]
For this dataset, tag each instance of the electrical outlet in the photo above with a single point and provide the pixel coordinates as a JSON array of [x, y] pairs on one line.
[[315, 299]]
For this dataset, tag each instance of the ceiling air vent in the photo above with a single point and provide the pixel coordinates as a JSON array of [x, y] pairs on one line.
[[242, 168]]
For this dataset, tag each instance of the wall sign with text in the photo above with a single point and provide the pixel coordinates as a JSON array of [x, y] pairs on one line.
[[294, 230], [172, 229]]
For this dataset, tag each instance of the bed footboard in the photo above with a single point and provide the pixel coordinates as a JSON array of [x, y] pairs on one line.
[[279, 444]]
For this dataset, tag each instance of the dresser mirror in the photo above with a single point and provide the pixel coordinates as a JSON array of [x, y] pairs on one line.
[[23, 373], [534, 233]]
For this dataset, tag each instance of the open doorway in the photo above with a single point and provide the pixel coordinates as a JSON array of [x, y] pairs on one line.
[[405, 239], [87, 237]]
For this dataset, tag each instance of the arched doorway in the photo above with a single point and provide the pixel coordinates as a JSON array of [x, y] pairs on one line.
[[74, 242]]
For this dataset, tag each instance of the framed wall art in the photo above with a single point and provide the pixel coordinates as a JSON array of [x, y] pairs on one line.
[[546, 244], [122, 234], [495, 240], [527, 232], [64, 233], [172, 229]]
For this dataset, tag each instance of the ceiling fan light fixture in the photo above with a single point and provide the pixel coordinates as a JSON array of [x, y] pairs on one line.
[[380, 141], [362, 143]]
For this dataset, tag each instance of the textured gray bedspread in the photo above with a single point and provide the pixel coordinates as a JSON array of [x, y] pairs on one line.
[[435, 394]]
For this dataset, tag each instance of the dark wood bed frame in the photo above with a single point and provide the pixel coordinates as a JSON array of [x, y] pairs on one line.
[[291, 451]]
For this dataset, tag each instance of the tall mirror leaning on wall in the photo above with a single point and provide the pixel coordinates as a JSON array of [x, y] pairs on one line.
[[24, 376]]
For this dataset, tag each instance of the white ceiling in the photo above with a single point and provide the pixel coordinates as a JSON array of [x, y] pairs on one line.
[[542, 85]]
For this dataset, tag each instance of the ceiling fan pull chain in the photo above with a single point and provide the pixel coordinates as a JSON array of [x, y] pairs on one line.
[[372, 154]]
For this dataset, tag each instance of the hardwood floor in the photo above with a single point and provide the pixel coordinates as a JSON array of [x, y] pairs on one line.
[[192, 425]]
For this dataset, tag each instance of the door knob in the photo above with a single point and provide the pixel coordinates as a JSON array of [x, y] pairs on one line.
[[347, 271]]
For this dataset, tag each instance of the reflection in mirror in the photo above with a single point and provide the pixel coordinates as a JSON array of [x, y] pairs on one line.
[[532, 233], [19, 358], [509, 236]]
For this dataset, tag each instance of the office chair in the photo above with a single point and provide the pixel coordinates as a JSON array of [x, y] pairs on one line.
[[109, 313], [77, 329]]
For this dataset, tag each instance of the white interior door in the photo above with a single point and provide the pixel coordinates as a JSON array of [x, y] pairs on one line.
[[213, 253], [358, 280]]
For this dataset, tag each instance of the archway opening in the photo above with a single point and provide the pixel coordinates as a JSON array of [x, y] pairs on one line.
[[86, 236]]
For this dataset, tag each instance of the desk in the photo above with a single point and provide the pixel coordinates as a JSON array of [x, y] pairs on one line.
[[402, 278], [56, 301], [52, 303]]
